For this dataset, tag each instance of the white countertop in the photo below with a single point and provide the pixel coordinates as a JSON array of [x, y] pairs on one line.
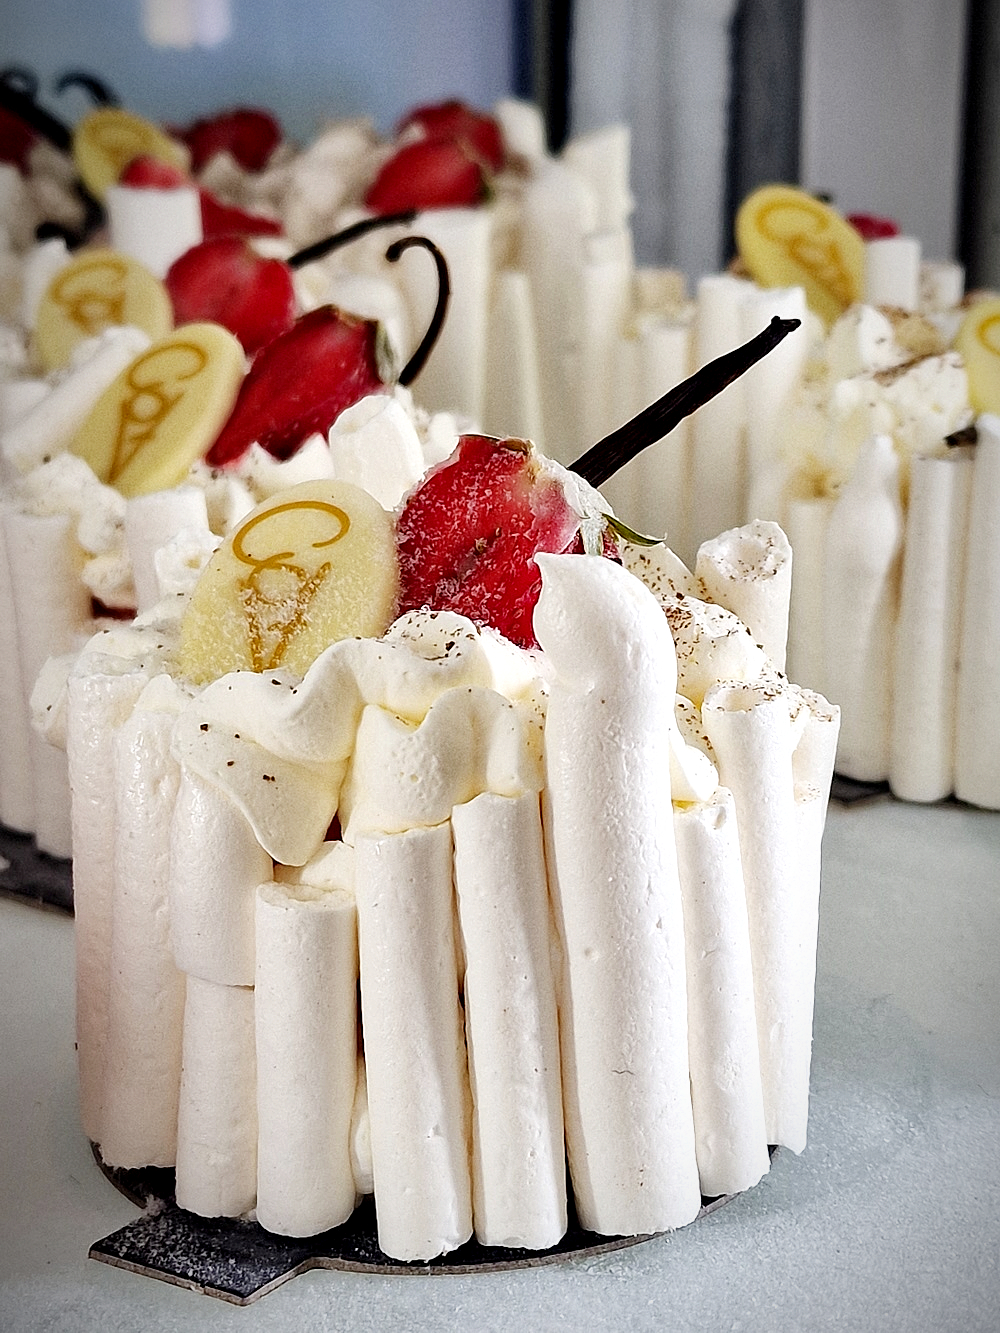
[[888, 1221]]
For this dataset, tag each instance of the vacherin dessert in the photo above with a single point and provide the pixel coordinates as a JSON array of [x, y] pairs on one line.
[[430, 913]]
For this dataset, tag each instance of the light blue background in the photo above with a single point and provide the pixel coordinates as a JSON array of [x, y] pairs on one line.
[[308, 60]]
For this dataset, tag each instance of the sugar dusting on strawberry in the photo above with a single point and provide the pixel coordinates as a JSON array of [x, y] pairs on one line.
[[468, 534]]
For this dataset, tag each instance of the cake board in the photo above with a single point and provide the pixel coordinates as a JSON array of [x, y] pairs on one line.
[[237, 1261]]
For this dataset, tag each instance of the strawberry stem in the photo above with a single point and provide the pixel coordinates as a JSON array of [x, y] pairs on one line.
[[606, 457], [320, 249], [418, 360]]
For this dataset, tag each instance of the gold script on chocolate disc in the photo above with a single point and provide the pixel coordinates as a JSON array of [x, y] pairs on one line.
[[91, 293], [156, 382], [799, 229], [281, 584]]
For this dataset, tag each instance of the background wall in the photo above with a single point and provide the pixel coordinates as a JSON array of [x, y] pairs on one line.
[[882, 103], [307, 59]]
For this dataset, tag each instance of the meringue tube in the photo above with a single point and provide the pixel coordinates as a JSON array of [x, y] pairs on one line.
[[216, 864], [718, 428], [892, 272], [51, 425], [150, 522], [217, 1109], [152, 225], [415, 1060], [512, 403], [977, 770], [925, 669], [726, 1093], [518, 1157], [17, 799], [142, 1060], [454, 378], [52, 607], [748, 570], [306, 1025], [768, 387], [661, 475], [860, 596], [613, 876], [97, 704], [749, 727], [805, 525]]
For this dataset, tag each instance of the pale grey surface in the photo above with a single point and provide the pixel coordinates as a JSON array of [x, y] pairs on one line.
[[889, 1220]]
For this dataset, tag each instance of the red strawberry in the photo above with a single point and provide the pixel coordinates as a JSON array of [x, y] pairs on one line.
[[468, 534], [249, 134], [217, 218], [427, 174], [872, 227], [478, 132], [146, 172], [16, 140], [225, 280], [301, 382]]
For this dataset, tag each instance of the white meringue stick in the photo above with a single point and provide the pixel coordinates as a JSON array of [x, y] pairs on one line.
[[718, 428], [605, 282], [977, 765], [748, 570], [860, 598], [150, 522], [726, 1093], [925, 668], [51, 425], [52, 607], [613, 875], [217, 1112], [512, 403], [17, 798], [142, 1063], [307, 1056], [216, 864], [558, 210], [663, 473], [512, 1030], [750, 730], [97, 704], [768, 387], [806, 523], [152, 225], [417, 1072], [454, 378], [892, 272]]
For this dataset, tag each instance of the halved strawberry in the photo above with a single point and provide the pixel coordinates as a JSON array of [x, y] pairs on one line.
[[872, 227], [300, 383], [249, 134], [225, 280], [427, 174], [217, 219], [461, 123], [468, 534]]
